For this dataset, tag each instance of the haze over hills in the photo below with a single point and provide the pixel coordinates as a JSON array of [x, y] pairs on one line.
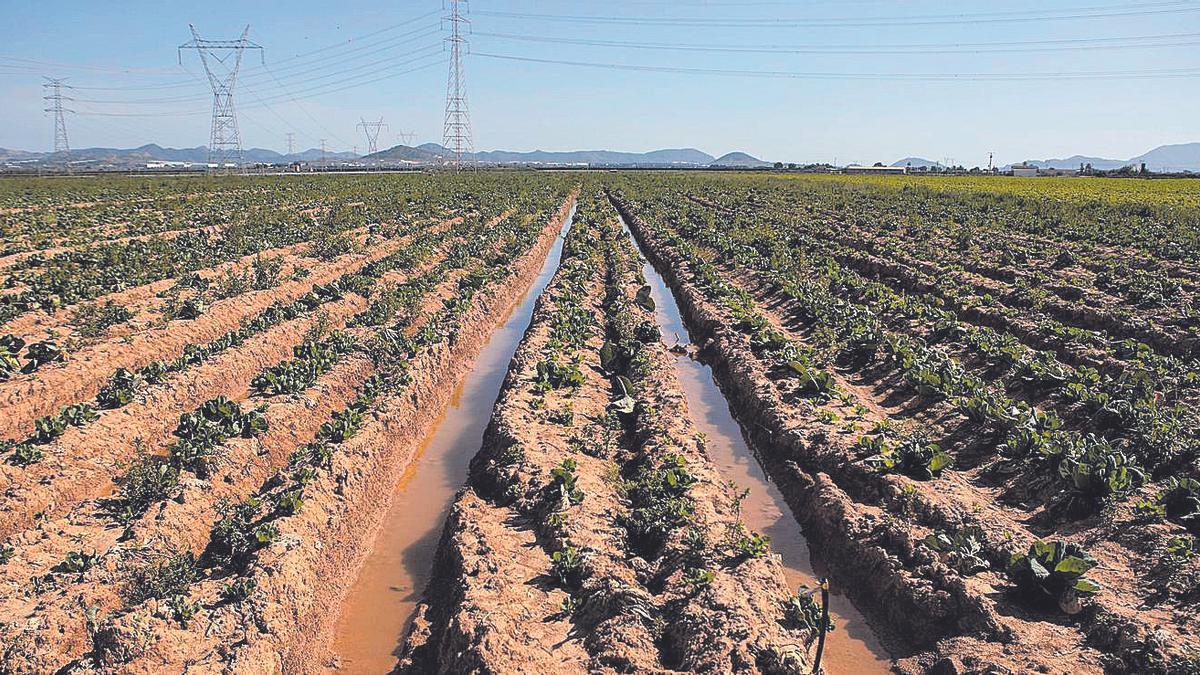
[[917, 162], [740, 159], [684, 157], [1165, 158], [428, 153]]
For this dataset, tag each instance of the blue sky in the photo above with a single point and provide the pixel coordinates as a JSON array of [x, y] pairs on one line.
[[122, 57]]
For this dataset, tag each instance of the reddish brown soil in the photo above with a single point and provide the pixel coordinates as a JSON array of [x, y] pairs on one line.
[[44, 392], [493, 606], [303, 577], [869, 526], [44, 629], [7, 260]]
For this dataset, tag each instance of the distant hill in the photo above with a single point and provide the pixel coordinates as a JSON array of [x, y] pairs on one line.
[[134, 157], [917, 162], [1165, 158], [738, 159], [1075, 161], [669, 157], [1179, 157]]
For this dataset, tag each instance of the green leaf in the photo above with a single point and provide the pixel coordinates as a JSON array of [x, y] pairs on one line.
[[1038, 571], [1086, 586], [608, 355], [644, 300], [1074, 565], [940, 461]]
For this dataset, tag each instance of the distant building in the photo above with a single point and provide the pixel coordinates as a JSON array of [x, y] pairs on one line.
[[876, 169], [1031, 171], [1058, 172], [1024, 170]]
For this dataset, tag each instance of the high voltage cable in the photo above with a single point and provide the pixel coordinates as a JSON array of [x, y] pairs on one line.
[[1142, 42], [932, 77], [320, 90], [303, 79], [186, 83], [1096, 12]]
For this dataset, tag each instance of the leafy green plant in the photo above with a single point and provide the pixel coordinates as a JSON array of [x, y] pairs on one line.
[[78, 562], [564, 486], [24, 454], [752, 545], [182, 609], [41, 353], [120, 389], [623, 401], [238, 590], [567, 565], [1097, 469], [78, 414], [166, 578], [962, 550], [289, 502], [1179, 500], [10, 348], [554, 375], [238, 533], [698, 577], [149, 480], [344, 425], [94, 320], [48, 428], [1054, 571], [644, 299], [814, 382], [912, 457], [804, 612]]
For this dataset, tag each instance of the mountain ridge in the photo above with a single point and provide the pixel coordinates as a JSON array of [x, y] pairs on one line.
[[426, 153]]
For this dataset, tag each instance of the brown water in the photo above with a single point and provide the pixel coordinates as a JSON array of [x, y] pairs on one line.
[[853, 646], [379, 609]]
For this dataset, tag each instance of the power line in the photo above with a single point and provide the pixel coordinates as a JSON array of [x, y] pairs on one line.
[[1169, 73], [225, 142], [185, 83], [1096, 12], [371, 131], [1138, 42], [56, 98], [456, 129]]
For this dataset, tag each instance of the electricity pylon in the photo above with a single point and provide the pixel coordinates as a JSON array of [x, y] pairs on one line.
[[371, 131], [291, 143], [55, 86], [225, 56], [456, 130]]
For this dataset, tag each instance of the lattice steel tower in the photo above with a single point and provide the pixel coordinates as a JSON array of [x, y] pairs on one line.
[[54, 87], [225, 57], [456, 130], [371, 131]]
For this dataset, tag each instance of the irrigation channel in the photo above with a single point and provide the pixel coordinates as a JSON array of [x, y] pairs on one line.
[[853, 646], [378, 610]]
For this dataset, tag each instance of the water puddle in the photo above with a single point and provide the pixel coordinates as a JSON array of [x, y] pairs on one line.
[[853, 646], [379, 608]]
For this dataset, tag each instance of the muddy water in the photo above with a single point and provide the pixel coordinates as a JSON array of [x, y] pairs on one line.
[[378, 610], [852, 647]]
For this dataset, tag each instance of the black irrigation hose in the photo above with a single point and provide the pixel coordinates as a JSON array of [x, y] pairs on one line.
[[824, 624]]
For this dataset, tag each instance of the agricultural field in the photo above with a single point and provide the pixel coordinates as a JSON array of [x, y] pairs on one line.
[[967, 403]]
